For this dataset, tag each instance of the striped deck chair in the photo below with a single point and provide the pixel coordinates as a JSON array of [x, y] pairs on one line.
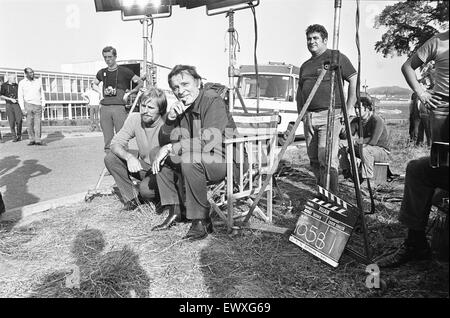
[[256, 138]]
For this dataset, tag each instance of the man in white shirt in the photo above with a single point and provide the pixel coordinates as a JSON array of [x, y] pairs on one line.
[[32, 101], [93, 98]]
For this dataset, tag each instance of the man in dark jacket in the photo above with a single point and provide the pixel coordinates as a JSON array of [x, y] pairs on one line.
[[193, 137], [9, 92]]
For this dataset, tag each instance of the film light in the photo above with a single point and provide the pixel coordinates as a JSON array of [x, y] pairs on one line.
[[135, 7]]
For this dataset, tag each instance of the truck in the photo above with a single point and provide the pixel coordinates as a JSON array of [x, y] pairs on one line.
[[278, 84]]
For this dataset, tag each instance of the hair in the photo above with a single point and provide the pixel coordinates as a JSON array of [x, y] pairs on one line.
[[317, 28], [158, 95], [26, 68], [366, 102], [178, 69], [109, 49]]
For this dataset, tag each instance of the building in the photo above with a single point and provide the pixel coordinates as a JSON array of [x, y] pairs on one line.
[[62, 91]]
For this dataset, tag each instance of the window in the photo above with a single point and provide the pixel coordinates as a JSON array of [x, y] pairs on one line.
[[46, 84], [271, 86], [53, 86], [65, 111]]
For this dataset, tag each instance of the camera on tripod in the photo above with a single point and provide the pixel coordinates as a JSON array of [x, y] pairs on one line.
[[110, 91]]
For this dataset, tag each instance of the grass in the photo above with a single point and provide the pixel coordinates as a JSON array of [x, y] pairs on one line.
[[115, 254]]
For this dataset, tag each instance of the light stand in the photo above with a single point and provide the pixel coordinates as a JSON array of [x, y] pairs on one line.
[[232, 70], [331, 108]]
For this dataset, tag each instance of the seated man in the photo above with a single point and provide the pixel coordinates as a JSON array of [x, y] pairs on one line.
[[421, 181], [122, 164], [193, 135], [421, 178], [375, 140]]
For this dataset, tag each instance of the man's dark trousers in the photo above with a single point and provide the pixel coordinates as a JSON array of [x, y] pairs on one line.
[[196, 175], [112, 118], [14, 114], [119, 170], [420, 183]]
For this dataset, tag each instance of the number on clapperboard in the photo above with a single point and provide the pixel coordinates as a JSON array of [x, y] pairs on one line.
[[312, 237]]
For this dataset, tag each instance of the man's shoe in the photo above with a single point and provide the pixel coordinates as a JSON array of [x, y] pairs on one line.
[[31, 143], [15, 139], [171, 219], [407, 252], [19, 138], [199, 230], [130, 205]]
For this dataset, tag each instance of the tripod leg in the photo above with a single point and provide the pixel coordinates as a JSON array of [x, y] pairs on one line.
[[286, 144], [354, 170], [100, 179]]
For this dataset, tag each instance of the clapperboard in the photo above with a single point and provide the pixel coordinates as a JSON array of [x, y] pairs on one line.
[[324, 228]]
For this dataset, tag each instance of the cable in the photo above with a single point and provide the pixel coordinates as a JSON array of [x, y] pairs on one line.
[[256, 59], [358, 106]]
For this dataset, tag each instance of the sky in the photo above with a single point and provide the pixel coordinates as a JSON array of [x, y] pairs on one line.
[[44, 34]]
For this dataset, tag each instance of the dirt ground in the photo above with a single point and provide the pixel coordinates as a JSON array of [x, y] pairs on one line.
[[114, 254]]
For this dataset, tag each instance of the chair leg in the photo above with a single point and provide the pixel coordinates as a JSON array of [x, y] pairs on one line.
[[269, 202], [278, 190], [230, 206]]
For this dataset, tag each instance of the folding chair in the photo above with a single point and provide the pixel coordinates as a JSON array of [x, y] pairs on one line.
[[256, 139]]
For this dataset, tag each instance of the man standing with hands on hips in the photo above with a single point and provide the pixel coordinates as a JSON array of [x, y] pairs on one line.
[[116, 83], [32, 101]]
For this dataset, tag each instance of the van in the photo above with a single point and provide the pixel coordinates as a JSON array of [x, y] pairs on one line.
[[278, 84]]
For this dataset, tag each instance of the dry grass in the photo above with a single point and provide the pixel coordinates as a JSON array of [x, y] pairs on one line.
[[117, 255]]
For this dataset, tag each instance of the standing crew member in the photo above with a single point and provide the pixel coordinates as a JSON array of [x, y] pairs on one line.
[[116, 81], [315, 119]]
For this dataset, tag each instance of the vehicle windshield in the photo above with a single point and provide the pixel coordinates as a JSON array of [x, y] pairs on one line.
[[271, 86]]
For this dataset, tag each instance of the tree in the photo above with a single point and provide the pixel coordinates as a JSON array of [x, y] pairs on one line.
[[409, 24]]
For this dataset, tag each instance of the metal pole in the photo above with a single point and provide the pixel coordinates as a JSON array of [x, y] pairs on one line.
[[337, 21], [331, 108], [144, 58], [232, 60]]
